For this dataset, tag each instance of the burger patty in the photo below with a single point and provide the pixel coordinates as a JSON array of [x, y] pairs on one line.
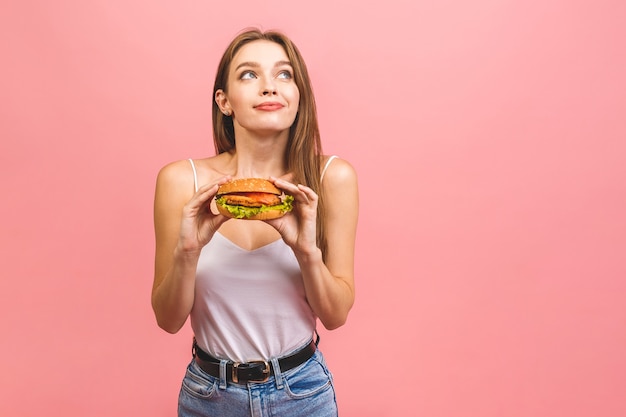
[[252, 199]]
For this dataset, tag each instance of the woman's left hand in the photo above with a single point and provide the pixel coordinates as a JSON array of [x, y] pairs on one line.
[[299, 227]]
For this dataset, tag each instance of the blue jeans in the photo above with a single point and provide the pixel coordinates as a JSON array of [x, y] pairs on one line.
[[306, 390]]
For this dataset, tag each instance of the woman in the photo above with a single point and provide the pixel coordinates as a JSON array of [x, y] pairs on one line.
[[255, 289]]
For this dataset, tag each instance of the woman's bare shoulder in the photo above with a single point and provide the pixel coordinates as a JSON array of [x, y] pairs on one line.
[[176, 173], [174, 183], [338, 172]]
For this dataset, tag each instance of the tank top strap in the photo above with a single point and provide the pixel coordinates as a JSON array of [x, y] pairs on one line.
[[330, 159], [195, 174]]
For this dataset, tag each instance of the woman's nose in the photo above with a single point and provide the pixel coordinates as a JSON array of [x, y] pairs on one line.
[[269, 88]]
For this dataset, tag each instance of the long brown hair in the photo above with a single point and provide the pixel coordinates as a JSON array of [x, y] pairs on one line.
[[304, 149]]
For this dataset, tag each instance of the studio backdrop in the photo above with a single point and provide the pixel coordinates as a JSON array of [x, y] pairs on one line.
[[489, 139]]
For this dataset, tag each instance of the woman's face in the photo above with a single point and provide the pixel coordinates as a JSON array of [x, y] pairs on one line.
[[262, 95]]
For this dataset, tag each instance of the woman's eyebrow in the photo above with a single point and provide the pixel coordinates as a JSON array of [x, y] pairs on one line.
[[256, 64], [248, 64], [282, 64]]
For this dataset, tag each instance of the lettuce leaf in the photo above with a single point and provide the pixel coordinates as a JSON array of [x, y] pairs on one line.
[[241, 212]]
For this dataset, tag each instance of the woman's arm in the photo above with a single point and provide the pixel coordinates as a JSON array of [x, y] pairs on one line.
[[329, 285], [183, 224]]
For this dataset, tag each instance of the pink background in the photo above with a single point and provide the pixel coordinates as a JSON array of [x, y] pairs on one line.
[[490, 139]]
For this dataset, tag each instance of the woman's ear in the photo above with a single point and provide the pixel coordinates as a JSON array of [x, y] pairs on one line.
[[222, 102]]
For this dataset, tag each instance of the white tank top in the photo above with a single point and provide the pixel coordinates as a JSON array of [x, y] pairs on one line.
[[250, 305]]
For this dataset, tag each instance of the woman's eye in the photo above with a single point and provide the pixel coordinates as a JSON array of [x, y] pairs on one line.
[[247, 75], [286, 75]]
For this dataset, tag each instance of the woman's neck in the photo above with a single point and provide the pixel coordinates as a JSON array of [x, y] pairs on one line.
[[260, 157]]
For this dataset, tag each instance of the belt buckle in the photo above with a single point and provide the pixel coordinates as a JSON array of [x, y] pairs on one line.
[[251, 365]]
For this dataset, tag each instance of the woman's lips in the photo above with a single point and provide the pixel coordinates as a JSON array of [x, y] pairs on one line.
[[269, 106]]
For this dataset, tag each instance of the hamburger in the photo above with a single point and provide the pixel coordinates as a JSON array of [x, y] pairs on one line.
[[252, 199]]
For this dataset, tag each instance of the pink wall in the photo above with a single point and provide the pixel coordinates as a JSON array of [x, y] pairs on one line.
[[489, 137]]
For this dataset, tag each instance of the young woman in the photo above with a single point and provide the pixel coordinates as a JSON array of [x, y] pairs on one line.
[[253, 289]]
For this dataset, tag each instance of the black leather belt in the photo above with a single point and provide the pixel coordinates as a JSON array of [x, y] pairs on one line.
[[255, 371]]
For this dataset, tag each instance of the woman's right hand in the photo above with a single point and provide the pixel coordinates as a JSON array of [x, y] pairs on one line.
[[198, 222]]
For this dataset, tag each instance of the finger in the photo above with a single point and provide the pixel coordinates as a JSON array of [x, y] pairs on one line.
[[282, 183], [288, 187], [308, 191], [301, 193], [302, 197], [201, 200], [207, 191], [308, 194], [299, 196], [215, 185], [202, 197]]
